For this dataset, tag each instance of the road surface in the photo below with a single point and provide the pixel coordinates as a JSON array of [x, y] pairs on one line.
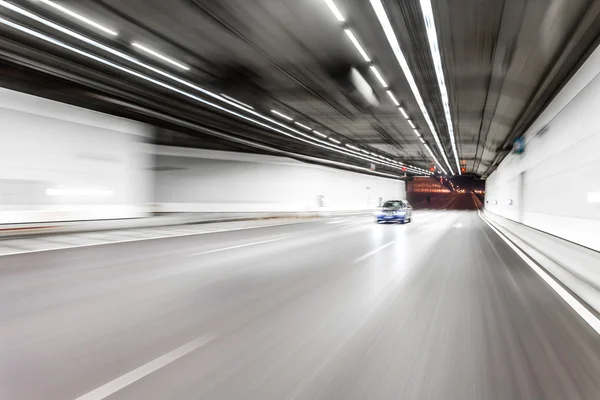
[[440, 308]]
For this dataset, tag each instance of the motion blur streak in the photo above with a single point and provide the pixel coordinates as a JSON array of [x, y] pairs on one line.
[[395, 45], [124, 56], [439, 309]]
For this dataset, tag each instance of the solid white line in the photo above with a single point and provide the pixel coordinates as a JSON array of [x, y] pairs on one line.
[[369, 254], [125, 380], [576, 305], [238, 246], [143, 239]]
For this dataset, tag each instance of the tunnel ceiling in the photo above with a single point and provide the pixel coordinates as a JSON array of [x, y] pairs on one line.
[[502, 63]]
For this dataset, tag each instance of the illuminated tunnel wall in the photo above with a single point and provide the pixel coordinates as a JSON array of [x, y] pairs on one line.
[[554, 186], [62, 163], [206, 181], [59, 162]]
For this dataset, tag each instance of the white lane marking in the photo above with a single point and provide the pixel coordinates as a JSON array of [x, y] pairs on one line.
[[125, 380], [576, 305], [146, 238], [238, 246], [369, 254]]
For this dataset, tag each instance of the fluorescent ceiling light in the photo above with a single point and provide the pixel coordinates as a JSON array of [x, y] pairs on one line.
[[393, 41], [417, 132], [79, 17], [357, 45], [320, 134], [237, 101], [364, 151], [335, 10], [282, 115], [411, 124], [352, 147], [335, 140], [302, 125], [439, 71], [403, 112], [303, 136], [158, 55], [389, 92], [422, 141], [378, 76]]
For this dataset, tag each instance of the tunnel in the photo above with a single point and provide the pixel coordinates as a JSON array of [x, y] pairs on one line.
[[299, 199]]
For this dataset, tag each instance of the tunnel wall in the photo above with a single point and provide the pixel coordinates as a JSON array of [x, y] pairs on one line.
[[554, 186], [62, 163], [191, 180]]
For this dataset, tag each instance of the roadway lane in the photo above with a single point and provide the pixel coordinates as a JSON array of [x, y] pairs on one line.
[[440, 308]]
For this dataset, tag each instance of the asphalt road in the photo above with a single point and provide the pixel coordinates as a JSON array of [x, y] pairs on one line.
[[440, 308]]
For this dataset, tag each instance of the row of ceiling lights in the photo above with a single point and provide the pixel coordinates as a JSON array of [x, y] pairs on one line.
[[339, 16], [351, 146], [427, 12], [393, 41], [234, 102]]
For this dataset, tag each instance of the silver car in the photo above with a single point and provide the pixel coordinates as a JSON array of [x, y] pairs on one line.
[[394, 211]]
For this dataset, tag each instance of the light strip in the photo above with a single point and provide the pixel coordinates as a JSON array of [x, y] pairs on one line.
[[434, 157], [353, 147], [357, 45], [158, 55], [422, 141], [335, 10], [393, 41], [389, 92], [417, 132], [237, 101], [404, 114], [335, 140], [162, 84], [320, 134], [378, 76], [411, 124], [302, 125], [282, 115], [439, 71], [79, 17]]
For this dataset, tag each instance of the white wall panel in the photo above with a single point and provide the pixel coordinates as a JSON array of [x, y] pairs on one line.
[[202, 181], [561, 167], [60, 162]]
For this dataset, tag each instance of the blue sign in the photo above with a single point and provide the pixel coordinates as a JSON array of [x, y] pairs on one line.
[[519, 145]]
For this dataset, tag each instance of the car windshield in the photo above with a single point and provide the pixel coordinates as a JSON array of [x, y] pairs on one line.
[[393, 203]]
